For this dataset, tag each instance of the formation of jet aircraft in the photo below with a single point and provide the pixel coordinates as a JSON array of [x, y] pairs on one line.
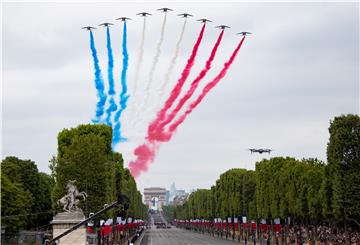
[[165, 10]]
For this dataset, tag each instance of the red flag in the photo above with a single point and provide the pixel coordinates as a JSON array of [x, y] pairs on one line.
[[263, 227], [278, 227], [107, 230], [89, 229], [253, 225]]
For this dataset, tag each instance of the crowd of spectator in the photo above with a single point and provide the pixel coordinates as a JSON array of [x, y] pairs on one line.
[[322, 235], [280, 235]]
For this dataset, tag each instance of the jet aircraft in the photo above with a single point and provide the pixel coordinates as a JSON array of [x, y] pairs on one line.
[[204, 20], [185, 15], [123, 18], [165, 10], [244, 33], [106, 24], [143, 14], [88, 28], [223, 27]]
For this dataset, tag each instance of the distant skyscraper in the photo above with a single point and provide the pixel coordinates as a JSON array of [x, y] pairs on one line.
[[167, 197], [172, 193], [177, 197]]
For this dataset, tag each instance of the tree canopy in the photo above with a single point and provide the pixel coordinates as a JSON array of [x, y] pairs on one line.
[[29, 198], [85, 155], [24, 183], [307, 190], [343, 156]]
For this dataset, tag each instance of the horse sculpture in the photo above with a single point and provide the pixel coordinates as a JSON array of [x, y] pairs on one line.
[[70, 200]]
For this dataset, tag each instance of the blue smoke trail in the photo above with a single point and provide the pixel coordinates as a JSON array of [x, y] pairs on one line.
[[123, 95], [112, 105], [99, 82]]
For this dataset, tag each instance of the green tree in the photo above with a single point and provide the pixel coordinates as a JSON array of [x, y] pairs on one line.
[[46, 184], [15, 205], [24, 173], [128, 185], [169, 211], [289, 187], [85, 154], [343, 156], [313, 178], [233, 193], [307, 190]]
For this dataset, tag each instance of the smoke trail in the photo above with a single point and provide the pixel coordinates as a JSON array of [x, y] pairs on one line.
[[99, 83], [172, 64], [189, 93], [123, 95], [112, 105], [145, 154], [177, 89], [153, 68], [174, 58], [206, 89], [156, 57], [140, 57]]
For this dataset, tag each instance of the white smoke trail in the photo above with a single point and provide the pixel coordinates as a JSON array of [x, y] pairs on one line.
[[137, 73], [140, 58], [172, 63], [151, 74], [155, 61]]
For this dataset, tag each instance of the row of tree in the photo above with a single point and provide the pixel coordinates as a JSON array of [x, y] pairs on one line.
[[307, 190], [85, 155]]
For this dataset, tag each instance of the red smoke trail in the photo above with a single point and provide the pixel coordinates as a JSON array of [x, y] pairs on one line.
[[205, 91], [177, 89], [145, 153], [156, 134]]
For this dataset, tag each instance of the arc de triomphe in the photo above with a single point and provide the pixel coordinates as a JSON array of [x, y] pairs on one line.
[[155, 197]]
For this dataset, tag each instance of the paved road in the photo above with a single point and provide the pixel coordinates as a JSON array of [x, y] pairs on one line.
[[175, 236]]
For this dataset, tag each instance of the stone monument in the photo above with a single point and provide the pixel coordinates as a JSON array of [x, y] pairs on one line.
[[71, 216]]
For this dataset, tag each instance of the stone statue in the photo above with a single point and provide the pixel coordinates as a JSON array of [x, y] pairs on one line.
[[70, 200]]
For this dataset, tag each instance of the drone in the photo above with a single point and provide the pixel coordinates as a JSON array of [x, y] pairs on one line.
[[260, 151]]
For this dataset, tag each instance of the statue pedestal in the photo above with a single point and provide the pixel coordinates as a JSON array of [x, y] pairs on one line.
[[63, 221]]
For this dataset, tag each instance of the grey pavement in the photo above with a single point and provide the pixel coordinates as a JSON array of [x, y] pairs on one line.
[[175, 236]]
